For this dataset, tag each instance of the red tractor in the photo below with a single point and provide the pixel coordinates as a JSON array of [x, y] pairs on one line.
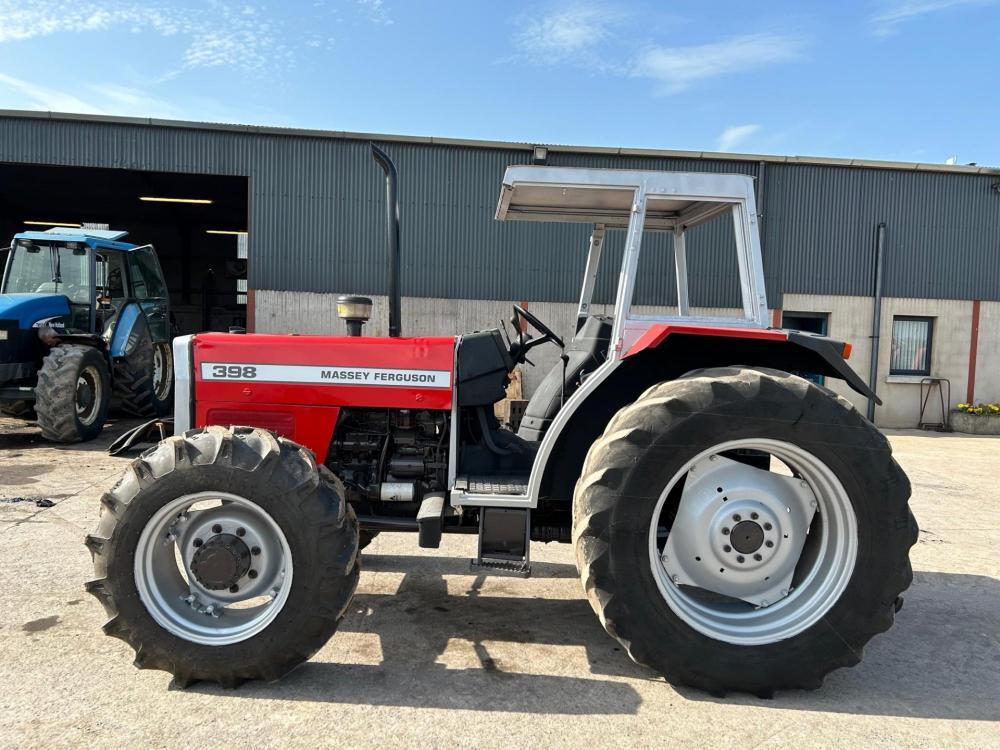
[[736, 526]]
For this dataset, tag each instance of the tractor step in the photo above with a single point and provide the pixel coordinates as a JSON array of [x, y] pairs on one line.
[[504, 539], [430, 520], [492, 484]]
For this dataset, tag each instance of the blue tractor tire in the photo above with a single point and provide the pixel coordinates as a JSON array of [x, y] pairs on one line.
[[73, 393]]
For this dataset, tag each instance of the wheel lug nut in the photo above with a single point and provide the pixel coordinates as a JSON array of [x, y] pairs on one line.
[[255, 550], [754, 516], [768, 543], [740, 558], [737, 518], [767, 527], [757, 557], [217, 529], [727, 548], [233, 589], [725, 531], [241, 531], [197, 542], [252, 573]]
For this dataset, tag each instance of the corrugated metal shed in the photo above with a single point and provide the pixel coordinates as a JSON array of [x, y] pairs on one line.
[[316, 213]]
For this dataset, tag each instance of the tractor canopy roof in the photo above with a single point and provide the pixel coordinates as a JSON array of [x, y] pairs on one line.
[[607, 196], [103, 239]]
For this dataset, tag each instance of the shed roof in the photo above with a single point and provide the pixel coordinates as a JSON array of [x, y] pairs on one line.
[[469, 142]]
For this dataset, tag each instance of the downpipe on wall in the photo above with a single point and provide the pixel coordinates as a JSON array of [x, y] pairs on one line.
[[876, 317]]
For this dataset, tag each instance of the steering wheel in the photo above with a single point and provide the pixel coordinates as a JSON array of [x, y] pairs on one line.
[[522, 347]]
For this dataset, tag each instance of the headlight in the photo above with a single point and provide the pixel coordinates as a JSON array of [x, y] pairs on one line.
[[3, 335]]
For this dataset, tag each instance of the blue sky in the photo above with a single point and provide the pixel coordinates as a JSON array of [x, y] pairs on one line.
[[913, 80]]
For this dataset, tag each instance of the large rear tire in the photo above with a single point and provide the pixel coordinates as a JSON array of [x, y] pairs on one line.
[[72, 394], [224, 554], [144, 379], [816, 567]]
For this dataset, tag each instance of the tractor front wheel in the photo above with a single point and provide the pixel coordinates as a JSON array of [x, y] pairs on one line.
[[72, 394], [743, 529], [225, 555]]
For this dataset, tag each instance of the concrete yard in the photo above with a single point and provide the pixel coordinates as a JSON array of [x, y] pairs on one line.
[[433, 654]]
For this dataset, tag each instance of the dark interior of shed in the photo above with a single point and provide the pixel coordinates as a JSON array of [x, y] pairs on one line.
[[197, 243]]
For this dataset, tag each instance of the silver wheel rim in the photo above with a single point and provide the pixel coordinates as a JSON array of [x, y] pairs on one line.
[[89, 392], [185, 604], [776, 591], [161, 371]]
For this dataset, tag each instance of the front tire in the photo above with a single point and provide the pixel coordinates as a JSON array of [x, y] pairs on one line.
[[72, 394], [224, 555], [655, 527]]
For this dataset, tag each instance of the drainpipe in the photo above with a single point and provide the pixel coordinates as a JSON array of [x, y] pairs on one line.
[[876, 317]]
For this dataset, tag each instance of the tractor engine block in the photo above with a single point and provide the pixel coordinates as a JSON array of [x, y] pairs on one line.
[[388, 459]]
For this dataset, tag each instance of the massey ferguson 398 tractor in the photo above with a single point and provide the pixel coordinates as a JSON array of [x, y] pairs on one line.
[[83, 318], [736, 526]]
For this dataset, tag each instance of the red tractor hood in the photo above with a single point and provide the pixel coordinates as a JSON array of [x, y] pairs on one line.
[[295, 385]]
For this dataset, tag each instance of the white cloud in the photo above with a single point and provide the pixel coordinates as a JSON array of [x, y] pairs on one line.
[[376, 11], [126, 100], [896, 12], [225, 33], [591, 37], [564, 35], [96, 99], [677, 68], [27, 95], [734, 135]]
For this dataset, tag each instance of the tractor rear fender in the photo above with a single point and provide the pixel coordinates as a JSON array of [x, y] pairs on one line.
[[667, 353]]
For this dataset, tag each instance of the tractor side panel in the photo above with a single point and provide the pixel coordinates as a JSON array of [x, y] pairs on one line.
[[296, 385]]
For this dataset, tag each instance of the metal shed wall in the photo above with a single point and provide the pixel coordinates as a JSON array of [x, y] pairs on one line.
[[316, 209]]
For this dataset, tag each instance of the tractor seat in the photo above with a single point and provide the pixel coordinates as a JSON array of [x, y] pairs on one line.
[[587, 351]]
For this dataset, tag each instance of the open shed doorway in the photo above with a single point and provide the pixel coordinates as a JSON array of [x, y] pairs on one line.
[[201, 245]]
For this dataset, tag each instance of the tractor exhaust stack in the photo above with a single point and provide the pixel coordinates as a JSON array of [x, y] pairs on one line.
[[392, 228]]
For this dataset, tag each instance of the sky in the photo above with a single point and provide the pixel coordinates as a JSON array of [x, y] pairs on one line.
[[908, 80]]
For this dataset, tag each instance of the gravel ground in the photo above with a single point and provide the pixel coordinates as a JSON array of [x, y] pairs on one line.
[[434, 654]]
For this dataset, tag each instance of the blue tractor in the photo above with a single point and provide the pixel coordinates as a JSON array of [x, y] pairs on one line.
[[84, 325]]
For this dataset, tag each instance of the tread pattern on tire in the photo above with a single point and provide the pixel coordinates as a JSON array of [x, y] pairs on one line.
[[55, 392], [311, 491], [634, 428], [133, 388]]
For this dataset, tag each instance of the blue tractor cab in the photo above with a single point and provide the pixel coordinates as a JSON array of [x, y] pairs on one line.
[[84, 322]]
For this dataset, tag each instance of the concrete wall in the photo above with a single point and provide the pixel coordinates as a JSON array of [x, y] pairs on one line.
[[988, 357], [849, 320]]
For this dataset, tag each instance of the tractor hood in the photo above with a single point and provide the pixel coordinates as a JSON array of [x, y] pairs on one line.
[[28, 309]]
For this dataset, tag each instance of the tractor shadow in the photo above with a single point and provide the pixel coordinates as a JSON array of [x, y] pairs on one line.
[[22, 434], [415, 624], [941, 660]]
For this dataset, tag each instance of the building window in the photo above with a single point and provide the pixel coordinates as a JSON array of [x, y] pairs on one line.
[[911, 345]]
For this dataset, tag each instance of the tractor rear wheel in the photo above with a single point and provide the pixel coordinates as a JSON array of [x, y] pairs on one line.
[[743, 529], [144, 379], [72, 394], [224, 554]]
